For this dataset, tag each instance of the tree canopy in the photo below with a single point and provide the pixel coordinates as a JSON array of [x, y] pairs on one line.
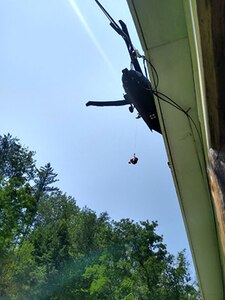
[[52, 249]]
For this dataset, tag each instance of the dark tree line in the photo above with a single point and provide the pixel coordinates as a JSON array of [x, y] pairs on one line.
[[52, 249]]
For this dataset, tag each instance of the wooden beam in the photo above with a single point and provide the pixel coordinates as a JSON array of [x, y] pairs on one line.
[[211, 16]]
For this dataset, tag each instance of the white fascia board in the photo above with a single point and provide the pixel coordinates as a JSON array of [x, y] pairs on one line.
[[162, 30]]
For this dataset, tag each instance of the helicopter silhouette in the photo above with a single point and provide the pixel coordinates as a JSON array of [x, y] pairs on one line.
[[137, 87]]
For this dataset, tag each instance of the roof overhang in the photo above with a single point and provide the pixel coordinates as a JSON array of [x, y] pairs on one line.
[[171, 39]]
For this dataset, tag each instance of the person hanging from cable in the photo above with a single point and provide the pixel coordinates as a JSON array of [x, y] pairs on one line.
[[133, 160]]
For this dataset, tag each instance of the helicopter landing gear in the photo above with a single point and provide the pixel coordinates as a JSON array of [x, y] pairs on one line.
[[138, 116], [131, 108]]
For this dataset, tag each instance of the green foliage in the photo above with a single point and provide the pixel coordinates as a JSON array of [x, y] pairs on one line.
[[52, 249], [44, 180], [15, 160], [138, 266]]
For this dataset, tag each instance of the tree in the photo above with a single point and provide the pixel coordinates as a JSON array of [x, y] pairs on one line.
[[22, 185], [24, 276], [136, 265], [19, 186], [17, 169], [52, 249], [44, 180], [16, 161]]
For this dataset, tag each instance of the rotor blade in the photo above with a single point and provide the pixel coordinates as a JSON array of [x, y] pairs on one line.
[[123, 32], [130, 47], [105, 12], [113, 23], [107, 103], [126, 33]]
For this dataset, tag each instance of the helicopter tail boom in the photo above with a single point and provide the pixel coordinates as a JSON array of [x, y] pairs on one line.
[[107, 103]]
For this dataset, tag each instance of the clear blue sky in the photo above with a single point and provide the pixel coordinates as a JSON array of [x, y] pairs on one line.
[[55, 55]]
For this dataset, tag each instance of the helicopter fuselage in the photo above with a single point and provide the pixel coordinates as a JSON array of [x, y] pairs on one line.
[[139, 93]]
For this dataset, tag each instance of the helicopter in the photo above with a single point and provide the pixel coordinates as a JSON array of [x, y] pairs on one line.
[[137, 87]]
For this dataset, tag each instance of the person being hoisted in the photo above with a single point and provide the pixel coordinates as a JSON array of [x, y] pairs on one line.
[[133, 160]]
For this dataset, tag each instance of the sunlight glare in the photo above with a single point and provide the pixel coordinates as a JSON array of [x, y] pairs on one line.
[[91, 35]]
